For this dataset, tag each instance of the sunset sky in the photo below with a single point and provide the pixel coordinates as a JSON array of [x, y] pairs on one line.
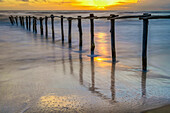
[[84, 4]]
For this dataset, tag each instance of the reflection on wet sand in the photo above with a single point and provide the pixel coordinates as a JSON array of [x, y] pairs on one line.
[[113, 81], [81, 69], [63, 62], [92, 88], [102, 64], [144, 74], [71, 63]]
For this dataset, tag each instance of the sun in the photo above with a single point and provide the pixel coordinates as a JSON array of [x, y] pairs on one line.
[[97, 3], [104, 3]]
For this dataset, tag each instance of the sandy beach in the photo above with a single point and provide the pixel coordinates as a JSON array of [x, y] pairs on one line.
[[37, 75]]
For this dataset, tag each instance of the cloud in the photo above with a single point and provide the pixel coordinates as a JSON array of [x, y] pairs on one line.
[[143, 5], [25, 0]]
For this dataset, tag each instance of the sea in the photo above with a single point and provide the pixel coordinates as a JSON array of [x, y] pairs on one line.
[[38, 75]]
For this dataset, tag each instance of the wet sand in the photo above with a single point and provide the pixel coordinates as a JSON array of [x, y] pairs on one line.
[[164, 109], [39, 76]]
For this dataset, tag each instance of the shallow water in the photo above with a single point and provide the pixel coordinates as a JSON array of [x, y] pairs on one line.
[[39, 76]]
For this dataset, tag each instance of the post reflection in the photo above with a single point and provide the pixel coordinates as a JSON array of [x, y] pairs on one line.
[[63, 61], [70, 46], [71, 62], [112, 88], [92, 88], [81, 68], [143, 84]]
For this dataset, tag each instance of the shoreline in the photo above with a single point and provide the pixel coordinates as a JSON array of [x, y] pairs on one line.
[[38, 75]]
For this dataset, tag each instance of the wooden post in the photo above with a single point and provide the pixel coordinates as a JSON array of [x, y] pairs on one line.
[[20, 20], [62, 29], [144, 50], [41, 25], [10, 18], [35, 19], [80, 32], [113, 47], [16, 20], [145, 38], [23, 22], [29, 28], [27, 22], [33, 24], [52, 26], [92, 33], [69, 29], [46, 26]]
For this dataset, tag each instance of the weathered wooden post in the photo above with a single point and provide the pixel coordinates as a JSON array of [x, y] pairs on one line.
[[62, 29], [10, 18], [20, 20], [52, 26], [145, 39], [69, 29], [46, 26], [144, 50], [35, 24], [16, 20], [92, 33], [27, 22], [80, 32], [29, 28], [113, 47], [23, 22], [41, 25]]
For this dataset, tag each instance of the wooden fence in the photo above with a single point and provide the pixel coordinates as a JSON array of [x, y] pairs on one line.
[[25, 22]]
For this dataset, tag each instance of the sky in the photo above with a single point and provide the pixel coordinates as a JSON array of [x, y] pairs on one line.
[[84, 4]]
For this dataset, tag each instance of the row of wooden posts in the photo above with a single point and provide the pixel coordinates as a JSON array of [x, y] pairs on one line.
[[27, 20]]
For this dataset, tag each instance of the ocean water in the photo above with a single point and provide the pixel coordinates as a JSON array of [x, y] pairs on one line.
[[39, 75]]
